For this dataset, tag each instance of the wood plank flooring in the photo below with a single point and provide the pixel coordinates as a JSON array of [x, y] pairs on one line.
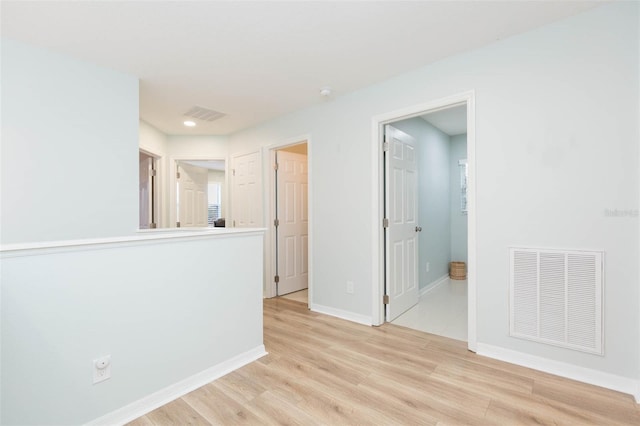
[[325, 371]]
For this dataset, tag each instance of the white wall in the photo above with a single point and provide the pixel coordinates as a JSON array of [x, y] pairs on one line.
[[459, 220], [63, 308], [69, 148], [152, 140], [198, 147], [557, 144], [433, 198]]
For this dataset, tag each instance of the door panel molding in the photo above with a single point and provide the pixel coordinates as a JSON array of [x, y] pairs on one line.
[[401, 235], [246, 190], [292, 230]]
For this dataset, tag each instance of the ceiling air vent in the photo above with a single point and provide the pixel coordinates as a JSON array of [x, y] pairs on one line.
[[204, 114]]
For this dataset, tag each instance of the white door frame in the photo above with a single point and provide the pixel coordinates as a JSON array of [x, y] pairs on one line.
[[172, 182], [159, 197], [377, 195], [270, 213]]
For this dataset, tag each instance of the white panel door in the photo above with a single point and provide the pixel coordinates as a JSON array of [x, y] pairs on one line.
[[401, 210], [192, 195], [292, 216], [246, 195]]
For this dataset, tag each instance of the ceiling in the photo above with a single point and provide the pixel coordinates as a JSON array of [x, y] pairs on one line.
[[254, 61], [452, 121]]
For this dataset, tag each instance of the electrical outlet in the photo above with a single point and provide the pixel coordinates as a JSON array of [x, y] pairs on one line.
[[428, 266], [101, 369], [350, 287]]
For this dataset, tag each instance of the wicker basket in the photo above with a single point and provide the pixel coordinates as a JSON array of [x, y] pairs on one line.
[[458, 270]]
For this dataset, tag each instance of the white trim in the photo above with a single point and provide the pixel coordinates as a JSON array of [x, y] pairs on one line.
[[472, 295], [377, 248], [160, 196], [270, 243], [268, 157], [377, 237], [147, 236], [339, 313], [434, 284], [157, 399], [563, 369]]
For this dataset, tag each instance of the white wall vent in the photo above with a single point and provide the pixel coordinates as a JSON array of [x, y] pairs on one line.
[[556, 297], [205, 114]]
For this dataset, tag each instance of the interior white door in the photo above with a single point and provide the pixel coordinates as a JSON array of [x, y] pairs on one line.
[[246, 199], [401, 210], [292, 216], [145, 191], [192, 195]]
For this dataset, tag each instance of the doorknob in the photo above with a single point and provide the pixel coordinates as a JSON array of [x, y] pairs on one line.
[[418, 228]]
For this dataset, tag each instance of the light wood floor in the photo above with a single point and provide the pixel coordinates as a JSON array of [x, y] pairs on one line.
[[322, 370]]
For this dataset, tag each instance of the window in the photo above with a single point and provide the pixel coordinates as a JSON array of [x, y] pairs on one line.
[[464, 174]]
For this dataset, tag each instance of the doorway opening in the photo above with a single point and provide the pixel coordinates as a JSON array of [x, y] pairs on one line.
[[289, 199], [148, 191], [425, 242], [397, 267], [199, 193]]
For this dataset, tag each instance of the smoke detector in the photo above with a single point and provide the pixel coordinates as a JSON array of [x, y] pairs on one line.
[[325, 92]]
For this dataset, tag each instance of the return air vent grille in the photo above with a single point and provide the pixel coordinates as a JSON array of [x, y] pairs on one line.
[[204, 114], [556, 297]]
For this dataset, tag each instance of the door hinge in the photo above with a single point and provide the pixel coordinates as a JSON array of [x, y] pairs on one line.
[[233, 172], [234, 223], [385, 299], [276, 279], [385, 146], [275, 167], [177, 224], [385, 222], [276, 222], [177, 175], [152, 173], [152, 225]]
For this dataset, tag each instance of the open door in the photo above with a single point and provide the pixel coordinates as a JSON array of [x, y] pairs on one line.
[[401, 227], [192, 196], [291, 222], [146, 192]]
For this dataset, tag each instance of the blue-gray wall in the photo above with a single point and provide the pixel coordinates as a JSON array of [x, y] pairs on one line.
[[458, 152], [434, 193], [71, 173]]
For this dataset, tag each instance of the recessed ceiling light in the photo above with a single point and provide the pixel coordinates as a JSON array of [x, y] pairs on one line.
[[189, 123]]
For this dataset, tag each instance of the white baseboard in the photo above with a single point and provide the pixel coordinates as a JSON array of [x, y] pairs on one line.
[[158, 399], [339, 313], [563, 369], [434, 284]]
